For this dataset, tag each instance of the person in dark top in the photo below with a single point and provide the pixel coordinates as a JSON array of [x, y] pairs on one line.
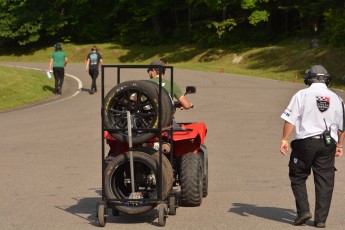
[[93, 61]]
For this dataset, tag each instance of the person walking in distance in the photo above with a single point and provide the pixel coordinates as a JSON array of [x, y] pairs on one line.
[[58, 61], [154, 76], [93, 61], [317, 115]]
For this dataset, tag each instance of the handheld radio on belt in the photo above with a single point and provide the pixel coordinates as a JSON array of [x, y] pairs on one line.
[[326, 135]]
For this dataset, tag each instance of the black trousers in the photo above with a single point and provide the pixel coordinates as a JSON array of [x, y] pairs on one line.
[[312, 154], [59, 76], [94, 74]]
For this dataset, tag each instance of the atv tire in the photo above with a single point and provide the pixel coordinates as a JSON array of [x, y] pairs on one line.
[[191, 179], [204, 158]]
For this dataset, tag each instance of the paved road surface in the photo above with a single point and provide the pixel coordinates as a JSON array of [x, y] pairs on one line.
[[50, 158]]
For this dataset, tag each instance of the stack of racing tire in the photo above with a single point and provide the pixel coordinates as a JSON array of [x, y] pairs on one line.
[[142, 99]]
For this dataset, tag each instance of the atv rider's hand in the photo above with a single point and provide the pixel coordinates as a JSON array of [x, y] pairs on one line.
[[180, 106]]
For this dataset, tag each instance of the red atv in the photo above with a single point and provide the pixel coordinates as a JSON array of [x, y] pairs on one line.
[[151, 159]]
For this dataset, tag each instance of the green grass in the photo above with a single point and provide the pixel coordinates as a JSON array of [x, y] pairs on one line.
[[19, 87], [282, 61]]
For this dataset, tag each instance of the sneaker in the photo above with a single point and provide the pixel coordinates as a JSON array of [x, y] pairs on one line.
[[319, 224], [59, 91], [91, 91], [302, 218]]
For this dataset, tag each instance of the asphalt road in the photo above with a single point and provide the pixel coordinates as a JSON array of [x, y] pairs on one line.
[[50, 158]]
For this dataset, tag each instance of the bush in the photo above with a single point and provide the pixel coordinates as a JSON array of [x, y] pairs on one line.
[[334, 31]]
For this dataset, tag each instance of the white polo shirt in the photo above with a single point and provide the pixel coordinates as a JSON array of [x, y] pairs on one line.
[[309, 107]]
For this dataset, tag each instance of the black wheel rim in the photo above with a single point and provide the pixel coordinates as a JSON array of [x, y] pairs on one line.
[[142, 107], [145, 180]]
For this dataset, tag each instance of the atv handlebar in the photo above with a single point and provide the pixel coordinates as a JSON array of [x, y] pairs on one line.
[[179, 106]]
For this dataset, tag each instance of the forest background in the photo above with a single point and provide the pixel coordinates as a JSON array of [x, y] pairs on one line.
[[269, 37]]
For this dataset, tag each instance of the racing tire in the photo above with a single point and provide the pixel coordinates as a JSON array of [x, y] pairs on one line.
[[168, 108], [167, 169], [141, 99], [117, 183], [191, 179]]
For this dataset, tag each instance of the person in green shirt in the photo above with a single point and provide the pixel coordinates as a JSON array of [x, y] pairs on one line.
[[58, 61], [154, 76]]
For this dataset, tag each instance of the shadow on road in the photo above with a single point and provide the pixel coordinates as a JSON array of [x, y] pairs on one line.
[[86, 209], [270, 213], [85, 90]]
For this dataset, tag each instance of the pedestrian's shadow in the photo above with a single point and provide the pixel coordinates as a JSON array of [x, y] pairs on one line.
[[272, 213], [85, 90], [48, 88], [86, 208]]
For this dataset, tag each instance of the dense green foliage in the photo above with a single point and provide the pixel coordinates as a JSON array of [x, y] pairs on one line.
[[203, 22]]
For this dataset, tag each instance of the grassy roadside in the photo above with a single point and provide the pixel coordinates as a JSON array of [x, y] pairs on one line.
[[282, 61], [19, 87]]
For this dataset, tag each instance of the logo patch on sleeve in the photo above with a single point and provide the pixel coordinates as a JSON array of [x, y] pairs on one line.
[[322, 103]]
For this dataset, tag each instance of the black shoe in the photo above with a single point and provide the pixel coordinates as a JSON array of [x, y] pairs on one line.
[[319, 224], [302, 218]]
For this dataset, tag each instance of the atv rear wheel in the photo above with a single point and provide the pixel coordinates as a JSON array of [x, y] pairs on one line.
[[191, 179], [204, 158]]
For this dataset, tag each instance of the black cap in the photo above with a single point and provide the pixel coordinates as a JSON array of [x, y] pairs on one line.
[[157, 62]]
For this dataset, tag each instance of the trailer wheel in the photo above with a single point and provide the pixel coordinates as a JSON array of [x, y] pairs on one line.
[[141, 99], [191, 180], [101, 217], [172, 205], [162, 214], [117, 182]]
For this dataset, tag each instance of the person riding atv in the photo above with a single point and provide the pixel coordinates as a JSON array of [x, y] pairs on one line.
[[154, 76]]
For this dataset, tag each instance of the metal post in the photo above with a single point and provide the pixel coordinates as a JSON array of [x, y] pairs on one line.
[[129, 126]]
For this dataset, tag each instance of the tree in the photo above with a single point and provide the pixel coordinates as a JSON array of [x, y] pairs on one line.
[[25, 21]]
